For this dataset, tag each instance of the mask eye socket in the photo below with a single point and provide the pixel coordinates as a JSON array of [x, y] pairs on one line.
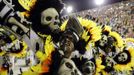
[[107, 60], [69, 65], [56, 17], [48, 18], [124, 57]]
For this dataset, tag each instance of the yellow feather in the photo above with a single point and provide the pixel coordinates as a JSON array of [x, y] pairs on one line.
[[107, 28], [99, 67], [63, 26], [39, 54], [129, 40], [27, 4], [37, 68], [85, 35], [118, 39], [49, 46], [4, 72]]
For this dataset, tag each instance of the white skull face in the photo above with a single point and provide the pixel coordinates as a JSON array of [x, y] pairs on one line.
[[68, 67], [103, 40], [50, 17], [123, 57], [88, 68], [109, 62]]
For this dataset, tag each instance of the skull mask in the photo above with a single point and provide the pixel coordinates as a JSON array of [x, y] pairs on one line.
[[68, 68], [122, 57], [50, 17], [103, 40], [88, 68], [109, 62]]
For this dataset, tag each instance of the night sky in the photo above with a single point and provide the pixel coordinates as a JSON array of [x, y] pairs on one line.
[[80, 5]]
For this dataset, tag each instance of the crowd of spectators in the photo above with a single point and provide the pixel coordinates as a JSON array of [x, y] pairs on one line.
[[119, 15]]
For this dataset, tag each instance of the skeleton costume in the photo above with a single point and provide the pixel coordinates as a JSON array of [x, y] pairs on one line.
[[14, 23], [10, 44], [91, 33], [86, 42], [46, 31], [48, 21], [111, 42], [12, 16], [67, 44], [125, 60], [108, 62], [10, 47]]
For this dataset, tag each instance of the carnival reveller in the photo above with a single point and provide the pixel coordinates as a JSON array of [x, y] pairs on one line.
[[106, 43], [123, 57], [108, 62], [111, 43], [45, 16], [46, 21], [71, 36], [67, 44], [124, 60], [63, 54]]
